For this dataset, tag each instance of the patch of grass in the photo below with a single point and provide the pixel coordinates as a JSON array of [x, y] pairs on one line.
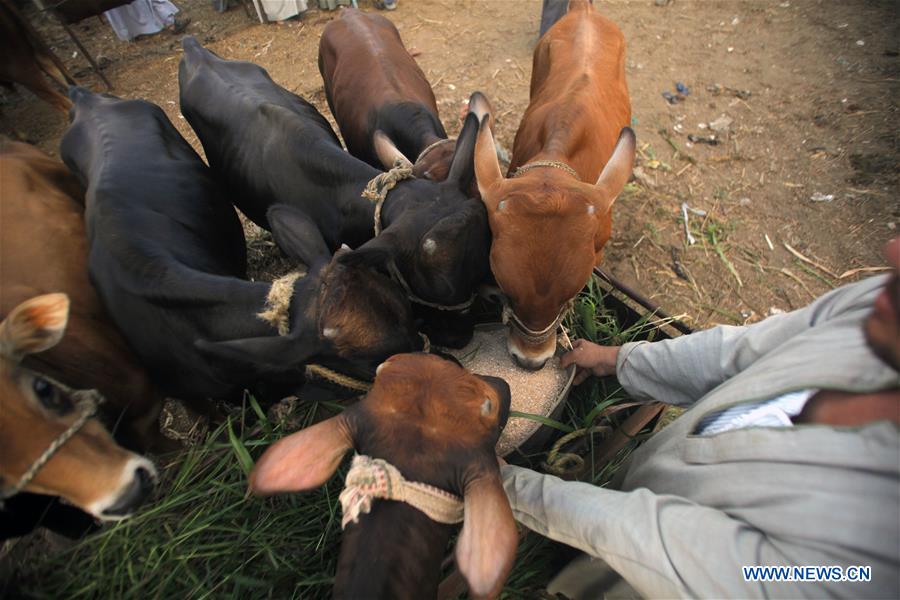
[[204, 538]]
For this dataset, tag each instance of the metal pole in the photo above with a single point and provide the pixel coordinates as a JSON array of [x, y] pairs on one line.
[[87, 55]]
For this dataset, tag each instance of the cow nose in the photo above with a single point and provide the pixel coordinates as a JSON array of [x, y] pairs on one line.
[[531, 364], [136, 493]]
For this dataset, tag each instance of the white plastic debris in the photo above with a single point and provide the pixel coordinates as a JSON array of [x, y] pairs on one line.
[[687, 228], [774, 310], [722, 124], [860, 42], [819, 197]]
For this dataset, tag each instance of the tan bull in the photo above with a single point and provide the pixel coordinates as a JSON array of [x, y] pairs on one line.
[[572, 156]]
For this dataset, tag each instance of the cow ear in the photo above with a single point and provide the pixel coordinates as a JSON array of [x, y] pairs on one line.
[[296, 234], [387, 151], [245, 359], [487, 166], [33, 326], [462, 168], [487, 545], [376, 253], [481, 107], [303, 460], [617, 171]]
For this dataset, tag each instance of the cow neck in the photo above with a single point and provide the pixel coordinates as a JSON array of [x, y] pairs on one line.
[[546, 162], [395, 551]]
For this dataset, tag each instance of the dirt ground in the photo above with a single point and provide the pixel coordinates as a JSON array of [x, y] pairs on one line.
[[802, 94]]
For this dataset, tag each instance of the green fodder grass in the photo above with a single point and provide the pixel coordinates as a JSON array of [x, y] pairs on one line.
[[204, 538]]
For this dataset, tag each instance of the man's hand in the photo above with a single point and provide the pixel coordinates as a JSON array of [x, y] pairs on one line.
[[590, 359]]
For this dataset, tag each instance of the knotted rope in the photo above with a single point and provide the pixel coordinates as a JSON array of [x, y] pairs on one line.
[[564, 464], [337, 378], [546, 163], [370, 478], [278, 303], [535, 337], [377, 189], [349, 382], [88, 401]]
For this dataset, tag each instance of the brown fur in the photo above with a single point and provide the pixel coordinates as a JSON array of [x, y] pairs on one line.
[[365, 67], [27, 427], [429, 418], [43, 248], [24, 59], [579, 104]]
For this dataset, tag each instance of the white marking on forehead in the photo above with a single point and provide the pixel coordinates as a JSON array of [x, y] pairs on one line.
[[501, 205], [330, 332], [591, 209], [429, 245]]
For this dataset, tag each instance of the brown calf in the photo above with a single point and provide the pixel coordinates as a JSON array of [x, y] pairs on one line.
[[551, 220], [25, 59], [380, 98], [43, 249], [89, 469], [438, 424]]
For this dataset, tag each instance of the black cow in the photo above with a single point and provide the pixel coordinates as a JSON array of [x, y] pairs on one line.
[[287, 171], [167, 256]]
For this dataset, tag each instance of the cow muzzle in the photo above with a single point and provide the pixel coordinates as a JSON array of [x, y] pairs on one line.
[[138, 483], [530, 348]]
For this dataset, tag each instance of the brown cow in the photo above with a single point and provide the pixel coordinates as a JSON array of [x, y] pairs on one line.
[[89, 469], [43, 249], [551, 220], [438, 424], [24, 58], [381, 99]]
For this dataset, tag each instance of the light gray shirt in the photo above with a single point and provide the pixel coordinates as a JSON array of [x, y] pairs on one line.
[[693, 509]]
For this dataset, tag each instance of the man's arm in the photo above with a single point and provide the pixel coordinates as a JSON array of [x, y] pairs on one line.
[[680, 371], [664, 546]]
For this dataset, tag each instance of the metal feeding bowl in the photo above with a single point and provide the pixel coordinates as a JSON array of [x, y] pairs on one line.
[[541, 393]]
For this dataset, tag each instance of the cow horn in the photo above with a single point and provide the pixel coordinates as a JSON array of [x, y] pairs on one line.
[[387, 152]]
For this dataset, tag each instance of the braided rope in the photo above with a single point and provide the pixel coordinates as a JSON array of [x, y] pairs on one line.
[[338, 378], [318, 371], [546, 163], [373, 478], [564, 464], [535, 337], [398, 277], [89, 400], [377, 189], [278, 303], [431, 147]]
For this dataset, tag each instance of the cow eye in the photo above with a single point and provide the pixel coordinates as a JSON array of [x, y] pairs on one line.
[[49, 395]]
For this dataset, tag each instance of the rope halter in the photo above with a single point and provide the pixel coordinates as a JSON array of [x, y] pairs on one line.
[[431, 147], [373, 478], [533, 336], [378, 187], [377, 190], [87, 401], [538, 164]]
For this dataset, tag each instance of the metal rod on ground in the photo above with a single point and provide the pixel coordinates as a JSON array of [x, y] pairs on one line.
[[651, 306], [87, 55]]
